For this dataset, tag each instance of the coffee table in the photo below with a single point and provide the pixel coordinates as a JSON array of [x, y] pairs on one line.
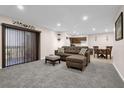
[[53, 59]]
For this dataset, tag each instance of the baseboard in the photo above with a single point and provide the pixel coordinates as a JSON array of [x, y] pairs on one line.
[[0, 67], [118, 72]]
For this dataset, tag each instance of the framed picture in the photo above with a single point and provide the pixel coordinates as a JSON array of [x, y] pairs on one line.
[[119, 27]]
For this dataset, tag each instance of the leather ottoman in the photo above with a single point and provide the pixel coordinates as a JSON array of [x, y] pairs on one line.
[[53, 59]]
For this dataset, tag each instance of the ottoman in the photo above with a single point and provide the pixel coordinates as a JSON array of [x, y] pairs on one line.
[[53, 59], [76, 61]]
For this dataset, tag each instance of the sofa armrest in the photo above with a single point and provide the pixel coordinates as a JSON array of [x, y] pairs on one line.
[[87, 54]]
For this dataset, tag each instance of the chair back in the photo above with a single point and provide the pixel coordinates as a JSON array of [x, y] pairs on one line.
[[109, 49], [95, 48]]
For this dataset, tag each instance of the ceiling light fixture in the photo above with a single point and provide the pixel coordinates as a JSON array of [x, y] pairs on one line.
[[58, 24], [93, 29], [20, 7], [85, 18]]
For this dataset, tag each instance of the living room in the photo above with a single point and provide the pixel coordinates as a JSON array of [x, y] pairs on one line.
[[87, 28]]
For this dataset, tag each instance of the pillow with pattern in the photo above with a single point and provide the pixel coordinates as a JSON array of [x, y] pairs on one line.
[[82, 51]]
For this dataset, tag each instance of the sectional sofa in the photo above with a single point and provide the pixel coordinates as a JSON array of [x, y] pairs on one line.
[[73, 58]]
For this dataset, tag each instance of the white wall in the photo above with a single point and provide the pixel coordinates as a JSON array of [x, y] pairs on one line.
[[48, 43], [101, 40], [118, 52], [63, 41]]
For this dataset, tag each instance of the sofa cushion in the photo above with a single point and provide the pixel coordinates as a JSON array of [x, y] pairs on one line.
[[68, 50], [73, 50], [76, 58], [63, 54]]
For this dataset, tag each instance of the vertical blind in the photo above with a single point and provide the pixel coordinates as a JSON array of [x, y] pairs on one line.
[[20, 46]]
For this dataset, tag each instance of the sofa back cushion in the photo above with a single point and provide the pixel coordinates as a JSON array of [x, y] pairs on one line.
[[73, 49]]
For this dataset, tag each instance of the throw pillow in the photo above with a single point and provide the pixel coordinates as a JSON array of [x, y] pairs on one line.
[[60, 50], [82, 51]]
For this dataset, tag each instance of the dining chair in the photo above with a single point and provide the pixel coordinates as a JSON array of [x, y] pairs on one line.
[[109, 50], [95, 49]]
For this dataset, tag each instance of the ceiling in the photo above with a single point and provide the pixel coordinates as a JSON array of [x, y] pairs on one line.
[[100, 17]]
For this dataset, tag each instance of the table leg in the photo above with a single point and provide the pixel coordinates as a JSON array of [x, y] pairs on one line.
[[53, 62], [97, 55], [106, 55], [110, 56], [45, 61], [59, 61]]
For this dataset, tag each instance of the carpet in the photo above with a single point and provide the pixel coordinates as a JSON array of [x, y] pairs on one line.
[[40, 75]]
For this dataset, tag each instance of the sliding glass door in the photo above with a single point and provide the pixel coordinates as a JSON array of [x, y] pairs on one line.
[[30, 46], [19, 46]]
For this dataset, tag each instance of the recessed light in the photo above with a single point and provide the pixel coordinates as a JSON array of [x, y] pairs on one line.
[[106, 30], [93, 29], [85, 18], [58, 24], [21, 7]]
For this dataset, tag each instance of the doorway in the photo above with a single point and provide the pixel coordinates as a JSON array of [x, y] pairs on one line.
[[19, 45]]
